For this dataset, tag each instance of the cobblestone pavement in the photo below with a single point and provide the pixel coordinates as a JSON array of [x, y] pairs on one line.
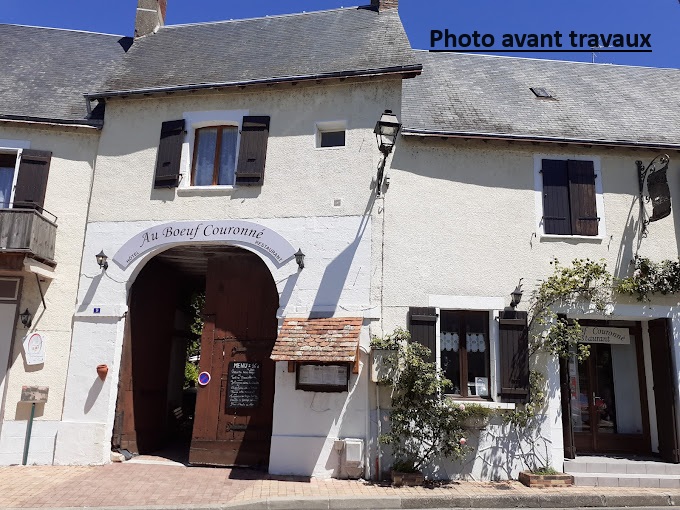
[[135, 485]]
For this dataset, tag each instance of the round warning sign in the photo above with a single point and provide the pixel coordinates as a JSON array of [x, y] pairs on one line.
[[203, 378]]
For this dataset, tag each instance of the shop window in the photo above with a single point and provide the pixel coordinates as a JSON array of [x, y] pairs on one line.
[[569, 197]]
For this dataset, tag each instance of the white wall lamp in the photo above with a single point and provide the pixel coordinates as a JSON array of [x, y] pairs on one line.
[[386, 130], [102, 260], [26, 318], [300, 258]]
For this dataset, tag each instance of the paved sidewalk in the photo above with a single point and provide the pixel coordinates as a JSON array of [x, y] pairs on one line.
[[154, 485]]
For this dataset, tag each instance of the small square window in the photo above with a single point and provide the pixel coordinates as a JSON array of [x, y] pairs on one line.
[[332, 138], [330, 134]]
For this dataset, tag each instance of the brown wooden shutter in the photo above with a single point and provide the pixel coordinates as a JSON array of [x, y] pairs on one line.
[[31, 186], [169, 154], [665, 382], [584, 220], [565, 401], [556, 216], [514, 356], [423, 328], [252, 151]]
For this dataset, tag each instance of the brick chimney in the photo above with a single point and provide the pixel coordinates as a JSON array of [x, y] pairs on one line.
[[385, 5], [150, 16]]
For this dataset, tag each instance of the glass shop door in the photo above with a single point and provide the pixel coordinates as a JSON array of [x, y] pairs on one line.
[[608, 398]]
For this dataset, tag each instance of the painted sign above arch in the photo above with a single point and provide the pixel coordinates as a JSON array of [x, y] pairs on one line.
[[241, 233]]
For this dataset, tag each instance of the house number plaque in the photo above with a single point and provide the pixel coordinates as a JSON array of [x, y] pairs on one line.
[[244, 384]]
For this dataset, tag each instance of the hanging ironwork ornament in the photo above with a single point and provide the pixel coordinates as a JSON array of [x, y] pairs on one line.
[[656, 190]]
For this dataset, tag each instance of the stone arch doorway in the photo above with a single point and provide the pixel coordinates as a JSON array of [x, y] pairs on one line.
[[231, 420]]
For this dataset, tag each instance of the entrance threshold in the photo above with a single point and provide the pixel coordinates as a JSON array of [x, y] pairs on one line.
[[623, 471]]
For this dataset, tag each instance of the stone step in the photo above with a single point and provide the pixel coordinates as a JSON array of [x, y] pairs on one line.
[[626, 480], [634, 467]]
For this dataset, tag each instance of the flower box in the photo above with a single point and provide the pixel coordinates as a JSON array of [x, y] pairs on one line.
[[400, 479], [381, 368], [558, 480], [476, 422]]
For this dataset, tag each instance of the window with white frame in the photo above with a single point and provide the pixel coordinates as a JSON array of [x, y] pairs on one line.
[[23, 175], [569, 196], [212, 149], [483, 351], [330, 134]]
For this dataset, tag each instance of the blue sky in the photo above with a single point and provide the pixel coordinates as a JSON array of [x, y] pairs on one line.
[[660, 18]]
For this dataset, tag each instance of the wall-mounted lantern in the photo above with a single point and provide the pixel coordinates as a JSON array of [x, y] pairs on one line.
[[386, 130], [102, 260], [300, 258], [516, 295], [26, 318]]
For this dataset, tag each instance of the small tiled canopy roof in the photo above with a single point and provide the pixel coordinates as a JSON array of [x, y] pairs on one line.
[[332, 340]]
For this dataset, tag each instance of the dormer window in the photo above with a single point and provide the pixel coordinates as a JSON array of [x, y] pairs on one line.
[[214, 160]]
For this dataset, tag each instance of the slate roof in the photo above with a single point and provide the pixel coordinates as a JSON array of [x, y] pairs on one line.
[[489, 95], [328, 340], [296, 46], [45, 71]]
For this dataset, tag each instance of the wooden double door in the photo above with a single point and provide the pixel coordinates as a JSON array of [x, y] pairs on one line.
[[234, 411]]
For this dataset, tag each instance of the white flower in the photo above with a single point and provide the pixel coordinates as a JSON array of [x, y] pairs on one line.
[[637, 273], [461, 407], [462, 441]]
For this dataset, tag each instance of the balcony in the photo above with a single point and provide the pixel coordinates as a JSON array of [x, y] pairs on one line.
[[26, 232]]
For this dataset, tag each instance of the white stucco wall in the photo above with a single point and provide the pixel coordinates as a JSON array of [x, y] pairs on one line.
[[297, 201], [68, 188], [461, 220]]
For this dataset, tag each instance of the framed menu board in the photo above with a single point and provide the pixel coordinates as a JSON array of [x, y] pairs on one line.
[[322, 377], [243, 384]]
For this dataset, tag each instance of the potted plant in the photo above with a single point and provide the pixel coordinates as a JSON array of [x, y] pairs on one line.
[[382, 355], [405, 473], [424, 424], [475, 416]]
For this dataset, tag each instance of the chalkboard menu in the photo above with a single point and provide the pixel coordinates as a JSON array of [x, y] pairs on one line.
[[244, 384]]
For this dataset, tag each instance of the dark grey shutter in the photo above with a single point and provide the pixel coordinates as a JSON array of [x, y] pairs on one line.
[[665, 382], [565, 402], [169, 154], [514, 356], [584, 220], [252, 151], [422, 325], [34, 169], [556, 216]]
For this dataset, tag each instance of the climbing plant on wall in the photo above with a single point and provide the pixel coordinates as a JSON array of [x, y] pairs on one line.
[[651, 278]]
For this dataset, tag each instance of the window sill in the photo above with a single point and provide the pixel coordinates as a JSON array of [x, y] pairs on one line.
[[334, 148], [503, 406], [557, 237], [204, 190]]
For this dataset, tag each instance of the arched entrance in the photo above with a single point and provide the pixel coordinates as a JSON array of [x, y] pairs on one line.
[[232, 420]]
